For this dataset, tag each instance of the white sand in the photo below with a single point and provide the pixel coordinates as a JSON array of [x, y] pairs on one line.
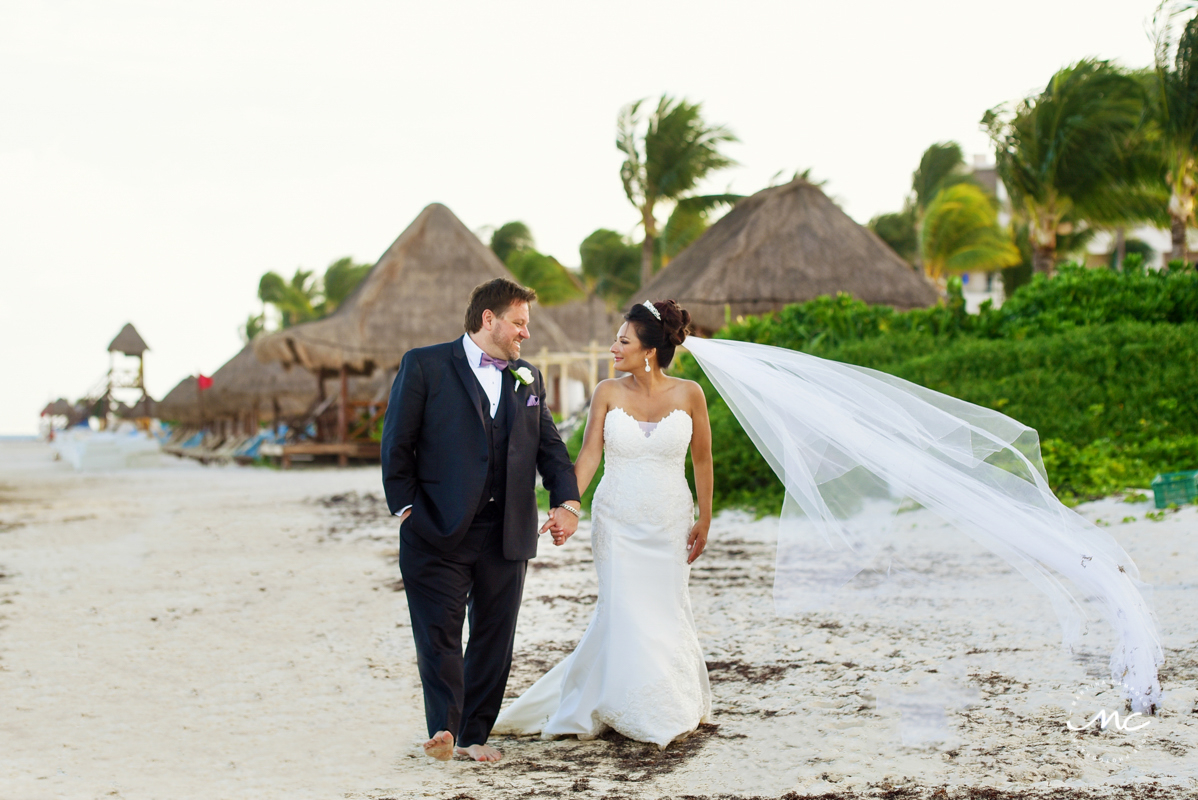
[[207, 632]]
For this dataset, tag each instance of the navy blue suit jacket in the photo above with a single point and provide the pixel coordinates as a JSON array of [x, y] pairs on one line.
[[434, 450]]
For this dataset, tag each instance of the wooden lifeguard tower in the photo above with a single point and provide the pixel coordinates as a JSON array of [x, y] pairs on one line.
[[121, 377]]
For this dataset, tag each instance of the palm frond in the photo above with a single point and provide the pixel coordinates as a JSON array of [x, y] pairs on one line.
[[1074, 143], [960, 232], [940, 165], [681, 149], [708, 202], [632, 170]]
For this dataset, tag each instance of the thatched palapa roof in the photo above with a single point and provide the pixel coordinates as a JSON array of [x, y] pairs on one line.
[[786, 244], [415, 295], [145, 407], [59, 408], [583, 321], [129, 342], [181, 403], [244, 382]]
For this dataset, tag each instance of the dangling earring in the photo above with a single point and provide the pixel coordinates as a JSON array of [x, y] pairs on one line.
[[647, 366]]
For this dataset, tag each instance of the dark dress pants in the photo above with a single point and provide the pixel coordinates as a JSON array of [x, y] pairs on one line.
[[463, 695]]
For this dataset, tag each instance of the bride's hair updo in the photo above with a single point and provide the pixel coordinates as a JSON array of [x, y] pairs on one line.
[[663, 335]]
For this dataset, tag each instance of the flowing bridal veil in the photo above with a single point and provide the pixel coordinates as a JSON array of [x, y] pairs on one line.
[[854, 446]]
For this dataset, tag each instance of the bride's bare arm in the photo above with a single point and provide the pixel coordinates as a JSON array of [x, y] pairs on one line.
[[704, 479], [592, 440]]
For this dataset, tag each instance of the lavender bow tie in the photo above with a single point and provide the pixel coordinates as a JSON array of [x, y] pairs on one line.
[[497, 363]]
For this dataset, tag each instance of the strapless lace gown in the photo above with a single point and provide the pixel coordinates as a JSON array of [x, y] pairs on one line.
[[638, 668]]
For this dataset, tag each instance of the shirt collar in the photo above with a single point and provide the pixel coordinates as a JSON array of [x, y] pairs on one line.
[[474, 353]]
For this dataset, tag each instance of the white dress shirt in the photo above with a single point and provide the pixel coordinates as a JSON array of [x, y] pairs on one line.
[[489, 378]]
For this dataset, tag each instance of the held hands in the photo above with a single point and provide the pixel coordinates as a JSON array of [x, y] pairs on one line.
[[561, 525], [697, 541]]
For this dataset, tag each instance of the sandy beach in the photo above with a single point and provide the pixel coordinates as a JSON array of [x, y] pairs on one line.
[[230, 632]]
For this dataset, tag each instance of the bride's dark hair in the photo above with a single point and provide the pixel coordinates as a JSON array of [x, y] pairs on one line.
[[665, 334]]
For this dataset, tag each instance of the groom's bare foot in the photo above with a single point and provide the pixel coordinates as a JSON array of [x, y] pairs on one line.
[[479, 752], [440, 746]]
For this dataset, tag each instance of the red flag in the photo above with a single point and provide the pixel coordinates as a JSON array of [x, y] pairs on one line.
[[204, 382]]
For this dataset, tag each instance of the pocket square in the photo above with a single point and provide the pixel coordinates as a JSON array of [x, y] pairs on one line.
[[533, 400]]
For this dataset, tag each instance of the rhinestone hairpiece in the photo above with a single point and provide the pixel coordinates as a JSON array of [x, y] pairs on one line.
[[652, 309]]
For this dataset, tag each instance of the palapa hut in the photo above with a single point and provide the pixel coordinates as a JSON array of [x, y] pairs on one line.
[[144, 408], [181, 404], [63, 408], [414, 296], [786, 244], [246, 387]]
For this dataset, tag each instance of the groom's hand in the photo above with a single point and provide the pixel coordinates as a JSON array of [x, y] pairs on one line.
[[561, 525]]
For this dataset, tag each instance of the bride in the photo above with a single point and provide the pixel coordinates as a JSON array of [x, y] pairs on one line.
[[639, 668]]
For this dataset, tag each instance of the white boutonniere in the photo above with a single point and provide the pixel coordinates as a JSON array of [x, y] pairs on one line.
[[524, 375]]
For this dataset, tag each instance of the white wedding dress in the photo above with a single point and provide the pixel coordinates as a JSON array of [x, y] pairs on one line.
[[638, 668]]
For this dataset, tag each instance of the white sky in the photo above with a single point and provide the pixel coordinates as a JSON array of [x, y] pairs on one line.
[[157, 157]]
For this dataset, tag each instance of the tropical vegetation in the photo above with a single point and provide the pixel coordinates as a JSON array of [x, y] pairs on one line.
[[554, 283], [1075, 154], [959, 232], [1176, 115], [305, 296], [667, 154]]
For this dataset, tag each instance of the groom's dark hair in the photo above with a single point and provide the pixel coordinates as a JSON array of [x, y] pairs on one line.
[[495, 296]]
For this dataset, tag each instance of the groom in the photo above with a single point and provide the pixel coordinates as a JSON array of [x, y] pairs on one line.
[[466, 429]]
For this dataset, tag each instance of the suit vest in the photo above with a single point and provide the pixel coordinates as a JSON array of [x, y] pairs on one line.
[[498, 432]]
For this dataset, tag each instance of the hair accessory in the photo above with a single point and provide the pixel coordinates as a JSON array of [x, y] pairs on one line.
[[653, 309]]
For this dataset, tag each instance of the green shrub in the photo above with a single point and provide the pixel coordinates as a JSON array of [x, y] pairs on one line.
[[1128, 381], [1077, 296]]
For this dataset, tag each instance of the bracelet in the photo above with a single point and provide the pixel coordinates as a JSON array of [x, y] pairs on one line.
[[573, 511]]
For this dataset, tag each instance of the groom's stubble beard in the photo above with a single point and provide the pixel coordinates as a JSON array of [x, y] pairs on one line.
[[505, 343]]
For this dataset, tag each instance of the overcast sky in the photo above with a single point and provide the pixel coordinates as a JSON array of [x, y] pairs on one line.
[[156, 158]]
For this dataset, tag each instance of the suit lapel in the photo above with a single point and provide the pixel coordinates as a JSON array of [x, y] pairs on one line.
[[469, 382], [509, 389]]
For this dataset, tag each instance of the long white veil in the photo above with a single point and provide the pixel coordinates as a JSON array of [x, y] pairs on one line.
[[852, 444]]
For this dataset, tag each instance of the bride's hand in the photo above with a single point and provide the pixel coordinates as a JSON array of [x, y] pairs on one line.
[[697, 541]]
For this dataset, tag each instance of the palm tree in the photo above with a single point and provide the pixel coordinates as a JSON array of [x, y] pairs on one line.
[[610, 266], [960, 233], [294, 299], [676, 151], [554, 284], [511, 236], [940, 166], [897, 229], [1176, 112], [340, 279], [1070, 150]]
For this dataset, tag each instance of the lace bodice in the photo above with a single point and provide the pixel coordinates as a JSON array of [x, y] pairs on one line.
[[624, 438], [645, 476]]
